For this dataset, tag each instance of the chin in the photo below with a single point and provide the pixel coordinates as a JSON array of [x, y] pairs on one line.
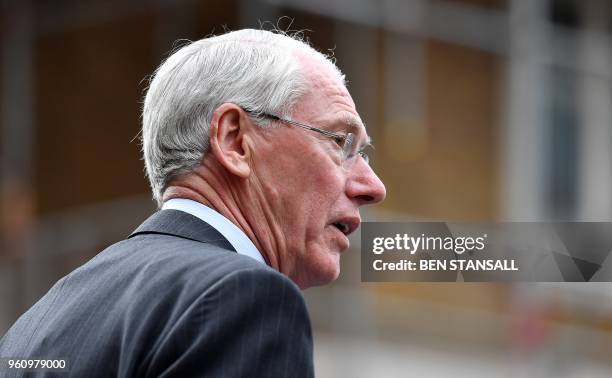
[[322, 272]]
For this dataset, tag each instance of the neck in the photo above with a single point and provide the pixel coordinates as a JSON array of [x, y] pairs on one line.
[[235, 199]]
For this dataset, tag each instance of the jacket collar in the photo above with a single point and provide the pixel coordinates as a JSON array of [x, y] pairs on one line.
[[183, 225]]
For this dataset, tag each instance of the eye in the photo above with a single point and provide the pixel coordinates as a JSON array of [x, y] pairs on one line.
[[340, 140], [364, 156]]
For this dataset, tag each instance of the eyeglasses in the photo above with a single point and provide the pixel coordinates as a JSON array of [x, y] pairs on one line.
[[345, 141]]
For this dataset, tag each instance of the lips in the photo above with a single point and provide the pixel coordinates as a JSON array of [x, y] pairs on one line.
[[347, 225]]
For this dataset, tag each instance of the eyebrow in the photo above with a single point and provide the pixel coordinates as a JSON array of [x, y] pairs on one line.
[[354, 125]]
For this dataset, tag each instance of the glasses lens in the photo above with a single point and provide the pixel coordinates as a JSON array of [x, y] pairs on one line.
[[365, 157], [347, 148], [351, 155]]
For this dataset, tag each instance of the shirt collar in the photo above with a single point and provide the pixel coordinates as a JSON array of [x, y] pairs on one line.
[[237, 238]]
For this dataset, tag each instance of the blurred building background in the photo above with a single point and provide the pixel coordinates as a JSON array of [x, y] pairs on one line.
[[480, 110]]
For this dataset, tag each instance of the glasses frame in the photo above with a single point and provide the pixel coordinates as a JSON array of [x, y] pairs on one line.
[[345, 140]]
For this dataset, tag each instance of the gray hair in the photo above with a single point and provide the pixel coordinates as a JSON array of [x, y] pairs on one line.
[[255, 69]]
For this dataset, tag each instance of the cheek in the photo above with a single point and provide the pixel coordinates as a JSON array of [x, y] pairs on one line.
[[311, 185], [301, 184], [304, 206], [317, 204]]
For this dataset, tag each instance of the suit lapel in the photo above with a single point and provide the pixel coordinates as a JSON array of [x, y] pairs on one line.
[[183, 225]]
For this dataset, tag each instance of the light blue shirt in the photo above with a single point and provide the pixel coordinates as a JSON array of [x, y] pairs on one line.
[[237, 238]]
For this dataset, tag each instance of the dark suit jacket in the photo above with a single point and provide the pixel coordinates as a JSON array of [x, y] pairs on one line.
[[172, 300]]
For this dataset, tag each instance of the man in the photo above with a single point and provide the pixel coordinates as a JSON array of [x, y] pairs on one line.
[[253, 149]]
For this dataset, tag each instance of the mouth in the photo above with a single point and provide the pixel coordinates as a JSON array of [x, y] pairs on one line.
[[347, 225]]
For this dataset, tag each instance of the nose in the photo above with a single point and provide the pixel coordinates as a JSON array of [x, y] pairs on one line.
[[364, 186]]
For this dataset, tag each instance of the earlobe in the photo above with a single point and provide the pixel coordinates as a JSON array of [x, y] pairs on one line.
[[229, 141]]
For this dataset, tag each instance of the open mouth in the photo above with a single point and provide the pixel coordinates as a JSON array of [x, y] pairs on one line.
[[343, 227], [347, 225]]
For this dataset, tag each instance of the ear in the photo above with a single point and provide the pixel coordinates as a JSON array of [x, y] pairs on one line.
[[229, 142]]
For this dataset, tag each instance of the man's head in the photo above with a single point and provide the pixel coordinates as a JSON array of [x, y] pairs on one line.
[[208, 136]]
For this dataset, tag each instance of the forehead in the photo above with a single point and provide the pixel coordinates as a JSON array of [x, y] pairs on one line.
[[327, 103]]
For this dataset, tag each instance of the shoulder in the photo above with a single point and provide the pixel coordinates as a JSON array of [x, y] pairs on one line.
[[258, 286], [251, 320], [166, 256], [183, 271], [225, 311]]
